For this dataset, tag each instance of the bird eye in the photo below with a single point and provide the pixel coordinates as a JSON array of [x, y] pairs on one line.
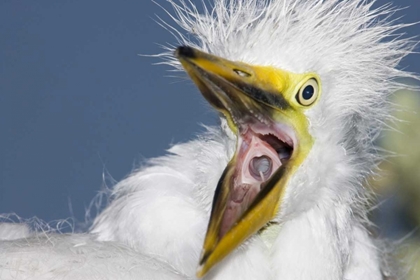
[[308, 93]]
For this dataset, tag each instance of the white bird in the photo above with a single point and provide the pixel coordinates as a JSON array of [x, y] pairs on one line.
[[278, 191]]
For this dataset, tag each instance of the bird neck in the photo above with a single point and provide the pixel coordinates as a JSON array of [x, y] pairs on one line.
[[325, 242]]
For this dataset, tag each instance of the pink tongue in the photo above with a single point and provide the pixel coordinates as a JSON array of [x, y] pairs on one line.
[[245, 185]]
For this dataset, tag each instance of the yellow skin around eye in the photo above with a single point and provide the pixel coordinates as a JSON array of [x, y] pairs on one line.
[[285, 83]]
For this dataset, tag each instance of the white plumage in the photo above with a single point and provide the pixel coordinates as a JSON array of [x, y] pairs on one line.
[[156, 222]]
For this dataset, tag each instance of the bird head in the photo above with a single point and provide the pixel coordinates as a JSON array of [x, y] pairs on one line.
[[303, 85], [264, 107]]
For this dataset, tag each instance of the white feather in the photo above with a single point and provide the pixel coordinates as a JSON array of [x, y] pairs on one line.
[[158, 215], [72, 257]]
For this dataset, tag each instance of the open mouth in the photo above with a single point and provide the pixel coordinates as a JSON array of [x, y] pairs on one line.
[[261, 151], [263, 146], [264, 107]]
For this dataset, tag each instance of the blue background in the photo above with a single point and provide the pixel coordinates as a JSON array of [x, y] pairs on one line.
[[78, 103]]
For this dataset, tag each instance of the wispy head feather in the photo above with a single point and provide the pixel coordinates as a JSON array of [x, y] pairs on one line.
[[354, 47]]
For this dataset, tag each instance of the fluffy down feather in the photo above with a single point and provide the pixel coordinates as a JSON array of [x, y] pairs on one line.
[[76, 256]]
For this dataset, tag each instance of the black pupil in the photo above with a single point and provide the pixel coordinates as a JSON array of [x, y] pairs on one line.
[[308, 92]]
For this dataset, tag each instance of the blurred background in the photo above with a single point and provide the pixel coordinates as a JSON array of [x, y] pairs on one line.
[[80, 106], [398, 183]]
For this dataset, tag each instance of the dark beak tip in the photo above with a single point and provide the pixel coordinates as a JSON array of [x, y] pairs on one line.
[[185, 52]]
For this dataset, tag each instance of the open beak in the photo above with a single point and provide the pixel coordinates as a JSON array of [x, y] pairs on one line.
[[272, 141]]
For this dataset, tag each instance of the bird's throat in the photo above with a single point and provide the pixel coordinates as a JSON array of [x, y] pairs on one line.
[[260, 153]]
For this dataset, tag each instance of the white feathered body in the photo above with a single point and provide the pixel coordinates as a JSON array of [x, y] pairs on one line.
[[157, 217]]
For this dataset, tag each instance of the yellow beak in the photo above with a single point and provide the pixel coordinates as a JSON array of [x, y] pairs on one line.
[[256, 103]]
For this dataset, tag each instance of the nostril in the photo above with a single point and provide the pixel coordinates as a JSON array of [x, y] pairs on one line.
[[241, 73], [185, 51]]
